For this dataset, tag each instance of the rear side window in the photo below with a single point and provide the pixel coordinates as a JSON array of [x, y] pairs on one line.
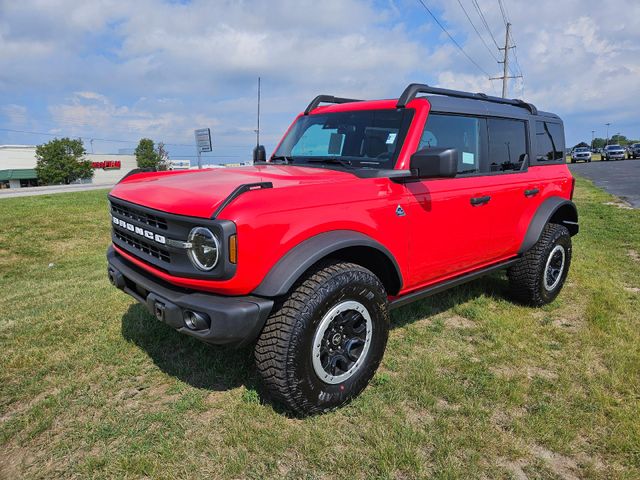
[[455, 131], [507, 144], [549, 142]]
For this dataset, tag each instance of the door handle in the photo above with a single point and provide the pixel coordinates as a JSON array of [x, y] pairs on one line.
[[475, 201], [531, 192]]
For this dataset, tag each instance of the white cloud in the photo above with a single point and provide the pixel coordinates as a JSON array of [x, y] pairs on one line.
[[16, 115], [163, 68]]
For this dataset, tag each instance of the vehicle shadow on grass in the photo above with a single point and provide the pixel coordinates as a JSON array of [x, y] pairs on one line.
[[495, 285], [210, 367], [219, 368]]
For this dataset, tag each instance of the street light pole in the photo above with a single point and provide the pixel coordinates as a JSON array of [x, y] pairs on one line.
[[593, 133], [607, 143]]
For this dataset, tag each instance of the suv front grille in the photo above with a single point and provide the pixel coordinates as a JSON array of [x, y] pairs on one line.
[[142, 246], [139, 216]]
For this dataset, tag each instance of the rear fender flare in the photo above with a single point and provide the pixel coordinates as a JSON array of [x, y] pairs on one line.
[[300, 258], [552, 210]]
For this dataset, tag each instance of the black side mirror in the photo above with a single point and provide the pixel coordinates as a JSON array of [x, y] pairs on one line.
[[259, 154], [435, 163]]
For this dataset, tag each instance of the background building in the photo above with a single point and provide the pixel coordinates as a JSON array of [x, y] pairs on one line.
[[18, 163]]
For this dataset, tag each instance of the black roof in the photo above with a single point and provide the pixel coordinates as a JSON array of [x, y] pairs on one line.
[[440, 103], [454, 101]]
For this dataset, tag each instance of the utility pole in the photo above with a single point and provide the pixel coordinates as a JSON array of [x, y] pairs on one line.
[[258, 129], [505, 64], [593, 134], [607, 143]]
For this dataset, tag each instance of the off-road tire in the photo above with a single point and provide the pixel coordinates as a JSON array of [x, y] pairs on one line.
[[527, 276], [283, 352]]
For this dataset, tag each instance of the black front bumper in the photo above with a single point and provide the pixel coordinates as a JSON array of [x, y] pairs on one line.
[[231, 320]]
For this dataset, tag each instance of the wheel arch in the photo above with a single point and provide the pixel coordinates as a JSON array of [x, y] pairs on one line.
[[553, 210], [345, 245]]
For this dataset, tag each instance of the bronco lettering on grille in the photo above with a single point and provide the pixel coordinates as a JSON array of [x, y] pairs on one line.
[[140, 231]]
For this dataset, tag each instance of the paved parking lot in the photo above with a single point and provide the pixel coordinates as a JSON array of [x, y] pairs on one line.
[[622, 178]]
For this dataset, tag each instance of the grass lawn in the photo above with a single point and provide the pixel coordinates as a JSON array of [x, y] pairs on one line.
[[471, 386]]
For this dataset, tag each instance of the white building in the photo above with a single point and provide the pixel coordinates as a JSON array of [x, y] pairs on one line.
[[18, 163]]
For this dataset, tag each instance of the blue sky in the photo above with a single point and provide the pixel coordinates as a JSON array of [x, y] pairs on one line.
[[116, 71]]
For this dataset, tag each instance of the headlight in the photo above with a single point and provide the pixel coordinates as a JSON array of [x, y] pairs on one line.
[[204, 248]]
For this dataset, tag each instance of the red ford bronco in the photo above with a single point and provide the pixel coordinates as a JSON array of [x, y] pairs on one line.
[[363, 207]]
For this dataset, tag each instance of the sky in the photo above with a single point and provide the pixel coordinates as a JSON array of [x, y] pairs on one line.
[[115, 71]]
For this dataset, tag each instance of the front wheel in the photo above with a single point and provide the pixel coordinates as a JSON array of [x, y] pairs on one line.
[[537, 278], [325, 340]]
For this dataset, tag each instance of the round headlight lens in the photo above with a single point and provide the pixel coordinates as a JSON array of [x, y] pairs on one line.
[[204, 249]]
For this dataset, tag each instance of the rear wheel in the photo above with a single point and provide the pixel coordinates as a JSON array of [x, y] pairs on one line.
[[537, 278], [325, 340]]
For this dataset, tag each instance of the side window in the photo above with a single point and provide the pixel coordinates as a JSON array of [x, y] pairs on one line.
[[317, 141], [549, 142], [557, 138], [507, 144], [455, 131]]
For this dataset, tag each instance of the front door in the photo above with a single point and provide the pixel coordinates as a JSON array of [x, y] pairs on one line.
[[450, 219]]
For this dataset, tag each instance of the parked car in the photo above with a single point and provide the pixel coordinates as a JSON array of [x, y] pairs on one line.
[[364, 206], [635, 150], [613, 152], [581, 153]]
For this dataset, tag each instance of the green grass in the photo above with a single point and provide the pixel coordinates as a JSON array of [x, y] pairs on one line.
[[471, 386]]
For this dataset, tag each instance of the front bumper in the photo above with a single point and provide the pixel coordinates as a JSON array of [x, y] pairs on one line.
[[230, 320]]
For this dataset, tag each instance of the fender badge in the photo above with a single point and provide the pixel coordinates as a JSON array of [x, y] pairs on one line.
[[400, 211]]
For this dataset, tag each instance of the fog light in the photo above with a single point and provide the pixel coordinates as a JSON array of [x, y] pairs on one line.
[[195, 320]]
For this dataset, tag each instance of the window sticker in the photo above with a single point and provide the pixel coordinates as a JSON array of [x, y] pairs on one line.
[[391, 138], [468, 158]]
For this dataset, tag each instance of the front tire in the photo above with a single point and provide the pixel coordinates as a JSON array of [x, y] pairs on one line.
[[537, 278], [324, 341]]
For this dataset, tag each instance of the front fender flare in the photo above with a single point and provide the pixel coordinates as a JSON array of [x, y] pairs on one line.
[[300, 258], [546, 211]]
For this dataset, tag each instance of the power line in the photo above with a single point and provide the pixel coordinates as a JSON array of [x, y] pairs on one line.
[[479, 36], [453, 40], [484, 22], [504, 15]]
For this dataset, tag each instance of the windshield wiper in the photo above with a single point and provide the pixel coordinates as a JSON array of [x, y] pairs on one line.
[[281, 158], [331, 161]]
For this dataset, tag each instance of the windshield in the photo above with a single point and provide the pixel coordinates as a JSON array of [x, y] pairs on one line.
[[614, 147], [361, 138], [582, 149]]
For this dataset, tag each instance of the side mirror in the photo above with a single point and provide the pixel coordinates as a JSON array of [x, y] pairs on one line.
[[434, 163], [259, 154]]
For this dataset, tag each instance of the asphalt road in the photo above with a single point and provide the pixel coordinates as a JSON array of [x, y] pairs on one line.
[[621, 177], [27, 192]]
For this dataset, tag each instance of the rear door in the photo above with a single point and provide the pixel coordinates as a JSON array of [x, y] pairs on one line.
[[515, 188]]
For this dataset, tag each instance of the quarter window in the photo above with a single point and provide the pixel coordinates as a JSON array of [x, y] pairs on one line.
[[549, 142], [455, 131], [507, 144]]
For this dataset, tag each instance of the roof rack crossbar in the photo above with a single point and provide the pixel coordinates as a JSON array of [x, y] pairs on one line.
[[327, 99], [416, 88]]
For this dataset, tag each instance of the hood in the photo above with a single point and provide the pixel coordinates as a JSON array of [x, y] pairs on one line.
[[198, 193]]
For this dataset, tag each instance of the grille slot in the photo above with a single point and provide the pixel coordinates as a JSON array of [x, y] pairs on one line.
[[139, 216], [142, 246]]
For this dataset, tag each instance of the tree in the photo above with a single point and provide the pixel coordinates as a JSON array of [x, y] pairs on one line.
[[619, 140], [599, 142], [581, 144], [163, 154], [62, 161], [146, 156]]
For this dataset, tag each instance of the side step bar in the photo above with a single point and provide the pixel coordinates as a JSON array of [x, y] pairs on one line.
[[454, 282]]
